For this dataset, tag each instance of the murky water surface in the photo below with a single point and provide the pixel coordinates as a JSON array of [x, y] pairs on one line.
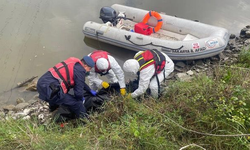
[[37, 34]]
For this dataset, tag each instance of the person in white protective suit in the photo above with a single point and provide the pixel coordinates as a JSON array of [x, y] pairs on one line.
[[105, 64], [152, 67]]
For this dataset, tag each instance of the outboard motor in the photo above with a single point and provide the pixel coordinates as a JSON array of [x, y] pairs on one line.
[[108, 14]]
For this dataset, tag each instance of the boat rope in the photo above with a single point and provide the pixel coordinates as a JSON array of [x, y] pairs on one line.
[[127, 37], [197, 132]]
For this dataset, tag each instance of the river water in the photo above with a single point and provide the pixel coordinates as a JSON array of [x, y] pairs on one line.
[[37, 34]]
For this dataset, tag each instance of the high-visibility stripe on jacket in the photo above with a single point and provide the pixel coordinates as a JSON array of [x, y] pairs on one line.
[[64, 72], [149, 57], [100, 54]]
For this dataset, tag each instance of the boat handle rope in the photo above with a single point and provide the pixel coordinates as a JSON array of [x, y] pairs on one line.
[[127, 37]]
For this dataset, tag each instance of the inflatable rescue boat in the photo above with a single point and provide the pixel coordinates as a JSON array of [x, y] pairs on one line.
[[138, 29]]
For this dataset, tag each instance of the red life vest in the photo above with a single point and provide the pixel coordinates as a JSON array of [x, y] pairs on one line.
[[150, 57], [100, 54], [64, 72]]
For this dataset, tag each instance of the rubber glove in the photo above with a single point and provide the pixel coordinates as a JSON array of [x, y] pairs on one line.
[[105, 84], [83, 100], [123, 91], [93, 92]]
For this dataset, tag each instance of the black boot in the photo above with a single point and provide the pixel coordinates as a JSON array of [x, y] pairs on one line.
[[53, 107]]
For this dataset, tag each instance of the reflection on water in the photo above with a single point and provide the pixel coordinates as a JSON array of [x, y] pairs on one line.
[[37, 34], [10, 96]]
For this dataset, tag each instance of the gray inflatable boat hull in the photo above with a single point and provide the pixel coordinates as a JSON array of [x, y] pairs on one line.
[[180, 39]]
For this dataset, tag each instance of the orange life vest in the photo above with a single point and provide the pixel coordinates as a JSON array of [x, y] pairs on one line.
[[100, 54], [64, 72], [157, 16], [150, 57]]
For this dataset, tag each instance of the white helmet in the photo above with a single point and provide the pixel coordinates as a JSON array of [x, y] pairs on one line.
[[102, 64], [131, 66]]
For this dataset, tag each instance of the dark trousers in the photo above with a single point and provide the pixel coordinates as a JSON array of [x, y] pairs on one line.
[[60, 98], [74, 105]]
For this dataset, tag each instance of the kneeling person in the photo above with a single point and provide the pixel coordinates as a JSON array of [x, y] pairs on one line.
[[54, 85], [106, 65], [152, 67]]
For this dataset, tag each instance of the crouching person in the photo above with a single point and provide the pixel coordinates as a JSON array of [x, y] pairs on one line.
[[54, 85], [152, 67], [105, 64]]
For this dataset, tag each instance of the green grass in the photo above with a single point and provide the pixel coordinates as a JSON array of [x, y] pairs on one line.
[[217, 104], [244, 58]]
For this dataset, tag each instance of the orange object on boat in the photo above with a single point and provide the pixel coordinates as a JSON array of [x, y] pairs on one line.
[[157, 16]]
